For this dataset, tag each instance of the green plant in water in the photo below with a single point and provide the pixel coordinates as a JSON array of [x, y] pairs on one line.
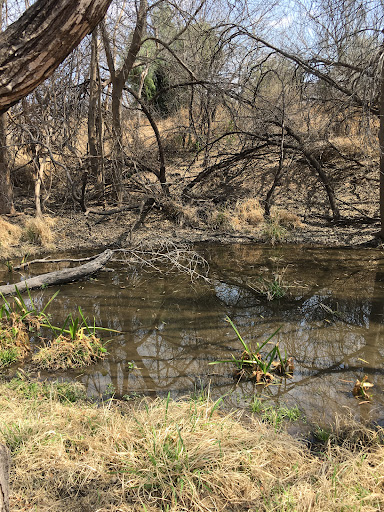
[[75, 346], [253, 365], [273, 287]]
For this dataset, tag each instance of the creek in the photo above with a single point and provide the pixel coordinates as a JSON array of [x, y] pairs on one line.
[[172, 327]]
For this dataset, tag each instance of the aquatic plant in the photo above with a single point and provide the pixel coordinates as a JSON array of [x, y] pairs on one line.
[[65, 352], [255, 366], [76, 345], [360, 389]]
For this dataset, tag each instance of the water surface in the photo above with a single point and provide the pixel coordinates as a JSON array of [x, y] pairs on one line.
[[172, 327]]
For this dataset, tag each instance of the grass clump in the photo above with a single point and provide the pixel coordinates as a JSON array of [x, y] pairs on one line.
[[10, 235], [244, 215], [14, 340], [257, 366], [38, 230], [279, 224], [66, 352], [176, 456], [275, 415]]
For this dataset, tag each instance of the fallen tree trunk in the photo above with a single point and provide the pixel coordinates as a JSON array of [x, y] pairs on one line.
[[60, 276]]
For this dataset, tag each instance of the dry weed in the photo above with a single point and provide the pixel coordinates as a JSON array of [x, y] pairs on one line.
[[175, 456], [9, 236], [39, 231], [245, 214], [286, 218], [249, 211], [63, 352]]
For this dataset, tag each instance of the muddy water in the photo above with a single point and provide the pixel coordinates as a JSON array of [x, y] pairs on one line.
[[172, 327]]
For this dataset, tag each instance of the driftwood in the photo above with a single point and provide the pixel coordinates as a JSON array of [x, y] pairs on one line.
[[60, 276], [4, 478], [45, 260]]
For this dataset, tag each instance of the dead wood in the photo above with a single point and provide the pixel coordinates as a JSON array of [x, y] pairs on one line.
[[45, 260], [60, 276]]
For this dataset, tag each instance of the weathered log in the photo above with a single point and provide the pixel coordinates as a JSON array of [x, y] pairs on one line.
[[4, 478], [60, 276]]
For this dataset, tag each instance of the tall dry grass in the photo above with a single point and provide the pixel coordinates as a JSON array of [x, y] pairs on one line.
[[10, 235], [175, 456]]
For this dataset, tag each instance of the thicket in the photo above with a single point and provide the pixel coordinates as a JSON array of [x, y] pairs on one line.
[[194, 111]]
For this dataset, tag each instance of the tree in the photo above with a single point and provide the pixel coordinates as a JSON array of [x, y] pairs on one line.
[[30, 51]]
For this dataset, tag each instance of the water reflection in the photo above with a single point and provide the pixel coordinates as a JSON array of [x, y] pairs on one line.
[[172, 328]]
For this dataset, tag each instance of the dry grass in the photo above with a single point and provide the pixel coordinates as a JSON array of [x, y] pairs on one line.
[[14, 339], [63, 353], [246, 214], [9, 236], [39, 231], [286, 218], [175, 456]]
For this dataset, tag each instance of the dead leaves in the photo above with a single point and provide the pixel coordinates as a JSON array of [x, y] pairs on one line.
[[361, 388]]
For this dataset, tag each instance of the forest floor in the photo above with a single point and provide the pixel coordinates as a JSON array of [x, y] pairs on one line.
[[226, 208]]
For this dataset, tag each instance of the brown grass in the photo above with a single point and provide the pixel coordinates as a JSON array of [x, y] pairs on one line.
[[39, 231], [244, 215], [9, 236], [176, 456], [286, 218], [63, 353]]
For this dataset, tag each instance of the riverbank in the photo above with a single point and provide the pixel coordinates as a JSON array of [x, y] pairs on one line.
[[68, 454], [22, 235]]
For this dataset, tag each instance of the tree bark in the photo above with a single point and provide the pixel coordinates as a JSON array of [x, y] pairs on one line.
[[381, 143], [34, 46], [4, 478], [60, 276], [6, 189]]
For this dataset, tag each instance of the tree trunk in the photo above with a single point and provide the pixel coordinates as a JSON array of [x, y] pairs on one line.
[[381, 142], [6, 189], [94, 113], [34, 46], [119, 79]]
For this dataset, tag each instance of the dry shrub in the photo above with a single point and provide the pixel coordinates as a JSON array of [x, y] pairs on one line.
[[286, 219], [182, 215], [174, 456], [39, 230], [9, 236], [244, 214], [64, 353], [249, 211]]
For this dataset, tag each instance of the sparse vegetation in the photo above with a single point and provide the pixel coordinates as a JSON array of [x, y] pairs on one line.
[[273, 414]]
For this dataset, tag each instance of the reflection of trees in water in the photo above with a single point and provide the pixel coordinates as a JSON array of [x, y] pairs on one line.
[[172, 328]]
